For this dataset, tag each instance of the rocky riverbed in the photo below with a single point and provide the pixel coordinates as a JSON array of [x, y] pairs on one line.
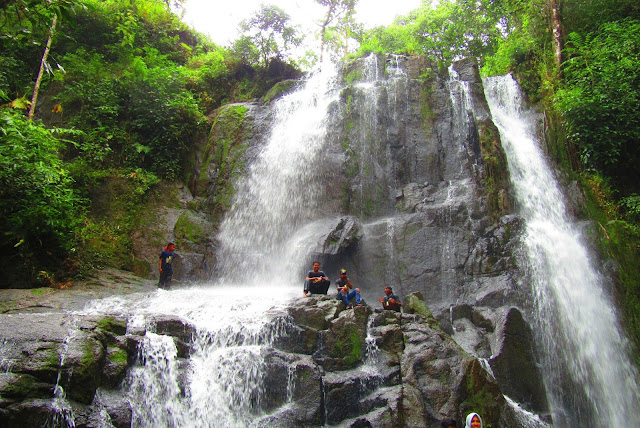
[[324, 366]]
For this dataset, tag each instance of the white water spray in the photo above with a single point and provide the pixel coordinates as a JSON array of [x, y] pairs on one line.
[[279, 194], [222, 382], [589, 377]]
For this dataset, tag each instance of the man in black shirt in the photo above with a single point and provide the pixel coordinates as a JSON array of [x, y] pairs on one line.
[[390, 300], [316, 281]]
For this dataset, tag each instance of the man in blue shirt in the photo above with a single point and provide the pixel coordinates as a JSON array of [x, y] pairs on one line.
[[166, 265]]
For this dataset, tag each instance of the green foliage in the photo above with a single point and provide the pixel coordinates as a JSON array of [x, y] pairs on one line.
[[117, 204], [601, 97], [632, 206], [269, 33], [38, 205], [620, 240], [451, 30], [162, 115]]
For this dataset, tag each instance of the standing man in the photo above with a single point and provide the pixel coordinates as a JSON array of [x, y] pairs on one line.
[[344, 285], [390, 300], [316, 281], [166, 266]]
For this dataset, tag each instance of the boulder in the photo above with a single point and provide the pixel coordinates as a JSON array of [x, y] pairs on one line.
[[315, 312], [343, 345], [116, 406], [346, 234], [17, 387], [414, 304], [517, 355], [479, 392], [83, 360]]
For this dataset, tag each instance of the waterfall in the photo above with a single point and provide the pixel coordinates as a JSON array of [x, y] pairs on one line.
[[589, 377], [222, 383], [279, 195], [227, 380]]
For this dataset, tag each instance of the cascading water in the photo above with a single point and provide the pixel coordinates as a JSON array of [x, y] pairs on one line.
[[280, 194], [264, 240], [589, 377], [222, 382]]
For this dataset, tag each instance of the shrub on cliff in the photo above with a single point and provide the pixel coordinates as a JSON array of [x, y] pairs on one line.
[[39, 209]]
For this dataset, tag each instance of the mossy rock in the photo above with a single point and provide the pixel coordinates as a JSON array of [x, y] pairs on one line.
[[115, 367], [496, 170], [480, 393], [391, 339], [18, 386], [191, 231], [280, 89], [83, 367], [112, 325], [345, 341], [414, 304]]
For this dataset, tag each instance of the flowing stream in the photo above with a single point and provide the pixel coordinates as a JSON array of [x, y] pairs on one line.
[[589, 377], [224, 380]]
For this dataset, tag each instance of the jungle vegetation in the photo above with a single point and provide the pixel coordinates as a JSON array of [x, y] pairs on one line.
[[125, 87]]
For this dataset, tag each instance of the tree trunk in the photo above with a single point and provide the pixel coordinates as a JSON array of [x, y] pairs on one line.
[[556, 28], [346, 42], [45, 55], [323, 31]]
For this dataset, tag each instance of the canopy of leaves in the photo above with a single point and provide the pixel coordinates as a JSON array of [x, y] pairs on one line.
[[267, 34], [452, 30], [601, 97]]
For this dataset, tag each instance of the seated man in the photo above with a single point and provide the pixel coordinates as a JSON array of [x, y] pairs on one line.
[[344, 285], [316, 281], [390, 300]]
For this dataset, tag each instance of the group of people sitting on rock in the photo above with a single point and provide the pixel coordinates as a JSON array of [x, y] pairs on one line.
[[317, 282], [473, 421]]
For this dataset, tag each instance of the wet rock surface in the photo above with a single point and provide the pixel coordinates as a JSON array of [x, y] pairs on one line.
[[362, 367]]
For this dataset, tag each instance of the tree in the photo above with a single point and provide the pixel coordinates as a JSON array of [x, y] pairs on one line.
[[556, 31], [37, 203], [270, 32], [43, 64], [600, 99], [336, 10], [36, 12]]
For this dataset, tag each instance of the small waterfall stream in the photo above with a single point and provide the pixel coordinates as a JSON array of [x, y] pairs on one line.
[[280, 195], [223, 381], [589, 377]]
